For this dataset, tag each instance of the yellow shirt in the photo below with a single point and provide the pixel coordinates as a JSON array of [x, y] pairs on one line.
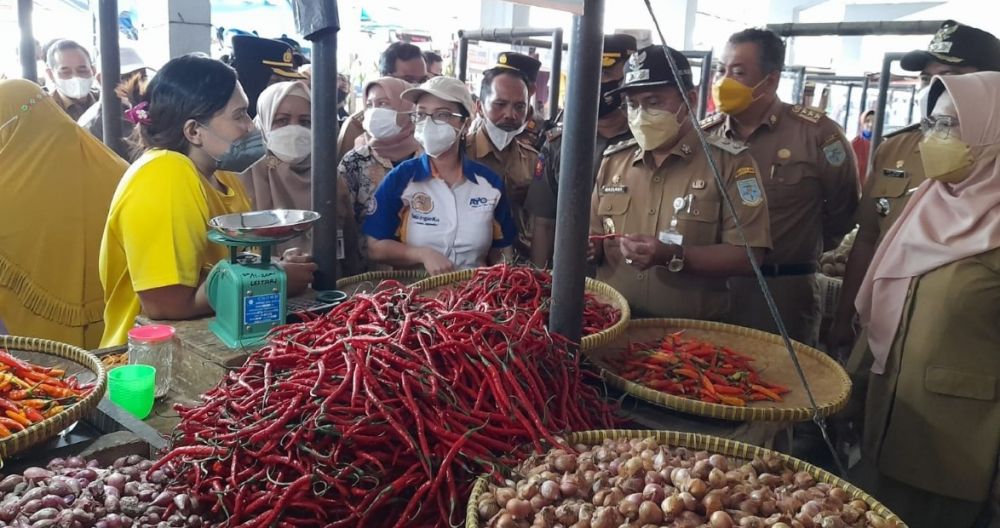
[[156, 234]]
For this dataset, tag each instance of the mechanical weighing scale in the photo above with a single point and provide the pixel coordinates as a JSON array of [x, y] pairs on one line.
[[249, 292]]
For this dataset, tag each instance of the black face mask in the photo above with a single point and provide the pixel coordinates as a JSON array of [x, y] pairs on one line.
[[341, 97], [609, 103]]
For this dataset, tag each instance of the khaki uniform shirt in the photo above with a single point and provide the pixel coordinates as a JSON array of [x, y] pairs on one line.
[[74, 108], [516, 165], [896, 172], [932, 420], [633, 196], [809, 175], [350, 130]]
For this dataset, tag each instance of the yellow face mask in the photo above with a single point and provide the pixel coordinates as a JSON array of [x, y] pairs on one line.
[[948, 160], [652, 128], [732, 96]]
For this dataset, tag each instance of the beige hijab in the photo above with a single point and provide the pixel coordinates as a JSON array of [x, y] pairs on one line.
[[942, 223], [272, 183], [402, 144]]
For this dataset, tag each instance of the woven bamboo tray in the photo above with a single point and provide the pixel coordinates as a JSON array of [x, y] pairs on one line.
[[829, 382], [366, 282], [603, 292], [77, 362], [735, 450]]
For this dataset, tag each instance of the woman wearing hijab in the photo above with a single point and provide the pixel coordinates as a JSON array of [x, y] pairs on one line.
[[388, 141], [155, 254], [862, 144], [931, 306], [282, 179], [57, 183]]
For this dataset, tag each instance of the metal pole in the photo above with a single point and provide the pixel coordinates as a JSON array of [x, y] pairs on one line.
[[883, 89], [856, 29], [913, 102], [463, 57], [324, 154], [29, 67], [508, 35], [555, 73], [576, 172], [847, 108], [864, 93], [111, 109], [706, 83]]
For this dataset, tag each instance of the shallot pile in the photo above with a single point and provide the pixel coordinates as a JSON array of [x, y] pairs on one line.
[[640, 483], [79, 494]]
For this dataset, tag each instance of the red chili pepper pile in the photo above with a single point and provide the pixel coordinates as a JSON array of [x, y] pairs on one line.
[[379, 413], [698, 370], [521, 287]]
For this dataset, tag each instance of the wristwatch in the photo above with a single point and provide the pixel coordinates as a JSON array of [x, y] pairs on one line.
[[676, 263]]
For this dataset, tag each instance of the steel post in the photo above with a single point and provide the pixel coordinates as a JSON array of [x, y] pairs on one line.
[[576, 172], [555, 72], [29, 67], [883, 90], [111, 109]]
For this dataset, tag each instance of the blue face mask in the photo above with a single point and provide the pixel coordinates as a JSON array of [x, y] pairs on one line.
[[867, 134]]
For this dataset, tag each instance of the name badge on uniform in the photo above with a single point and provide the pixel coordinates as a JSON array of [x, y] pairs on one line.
[[614, 189], [893, 173], [671, 237]]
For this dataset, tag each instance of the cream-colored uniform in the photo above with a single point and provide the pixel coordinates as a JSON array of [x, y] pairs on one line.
[[633, 196], [811, 181], [516, 165]]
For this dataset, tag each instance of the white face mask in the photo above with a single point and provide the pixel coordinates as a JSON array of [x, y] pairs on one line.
[[500, 137], [76, 87], [291, 144], [434, 138], [381, 122]]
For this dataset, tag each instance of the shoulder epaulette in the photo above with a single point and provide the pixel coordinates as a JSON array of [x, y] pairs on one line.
[[527, 146], [808, 113], [898, 131], [620, 146], [712, 120], [732, 146]]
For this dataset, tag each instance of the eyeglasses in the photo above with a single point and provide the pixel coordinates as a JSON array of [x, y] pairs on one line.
[[941, 126], [441, 117]]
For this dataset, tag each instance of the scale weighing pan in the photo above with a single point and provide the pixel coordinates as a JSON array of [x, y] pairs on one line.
[[264, 227]]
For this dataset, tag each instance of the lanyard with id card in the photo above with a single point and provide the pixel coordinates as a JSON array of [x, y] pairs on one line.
[[671, 235]]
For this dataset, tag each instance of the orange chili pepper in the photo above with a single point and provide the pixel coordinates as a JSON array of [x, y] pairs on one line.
[[56, 409], [766, 392], [56, 392], [731, 400], [19, 418], [707, 384], [11, 424], [34, 404], [4, 432]]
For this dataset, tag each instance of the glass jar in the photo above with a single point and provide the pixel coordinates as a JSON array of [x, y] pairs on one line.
[[153, 345]]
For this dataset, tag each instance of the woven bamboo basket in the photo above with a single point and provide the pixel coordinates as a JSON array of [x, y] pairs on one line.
[[366, 282], [830, 384], [75, 361], [603, 292], [736, 451]]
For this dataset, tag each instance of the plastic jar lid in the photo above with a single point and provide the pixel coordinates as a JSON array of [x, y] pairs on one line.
[[151, 333]]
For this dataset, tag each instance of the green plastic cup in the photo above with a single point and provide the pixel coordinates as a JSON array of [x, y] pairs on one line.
[[132, 388]]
